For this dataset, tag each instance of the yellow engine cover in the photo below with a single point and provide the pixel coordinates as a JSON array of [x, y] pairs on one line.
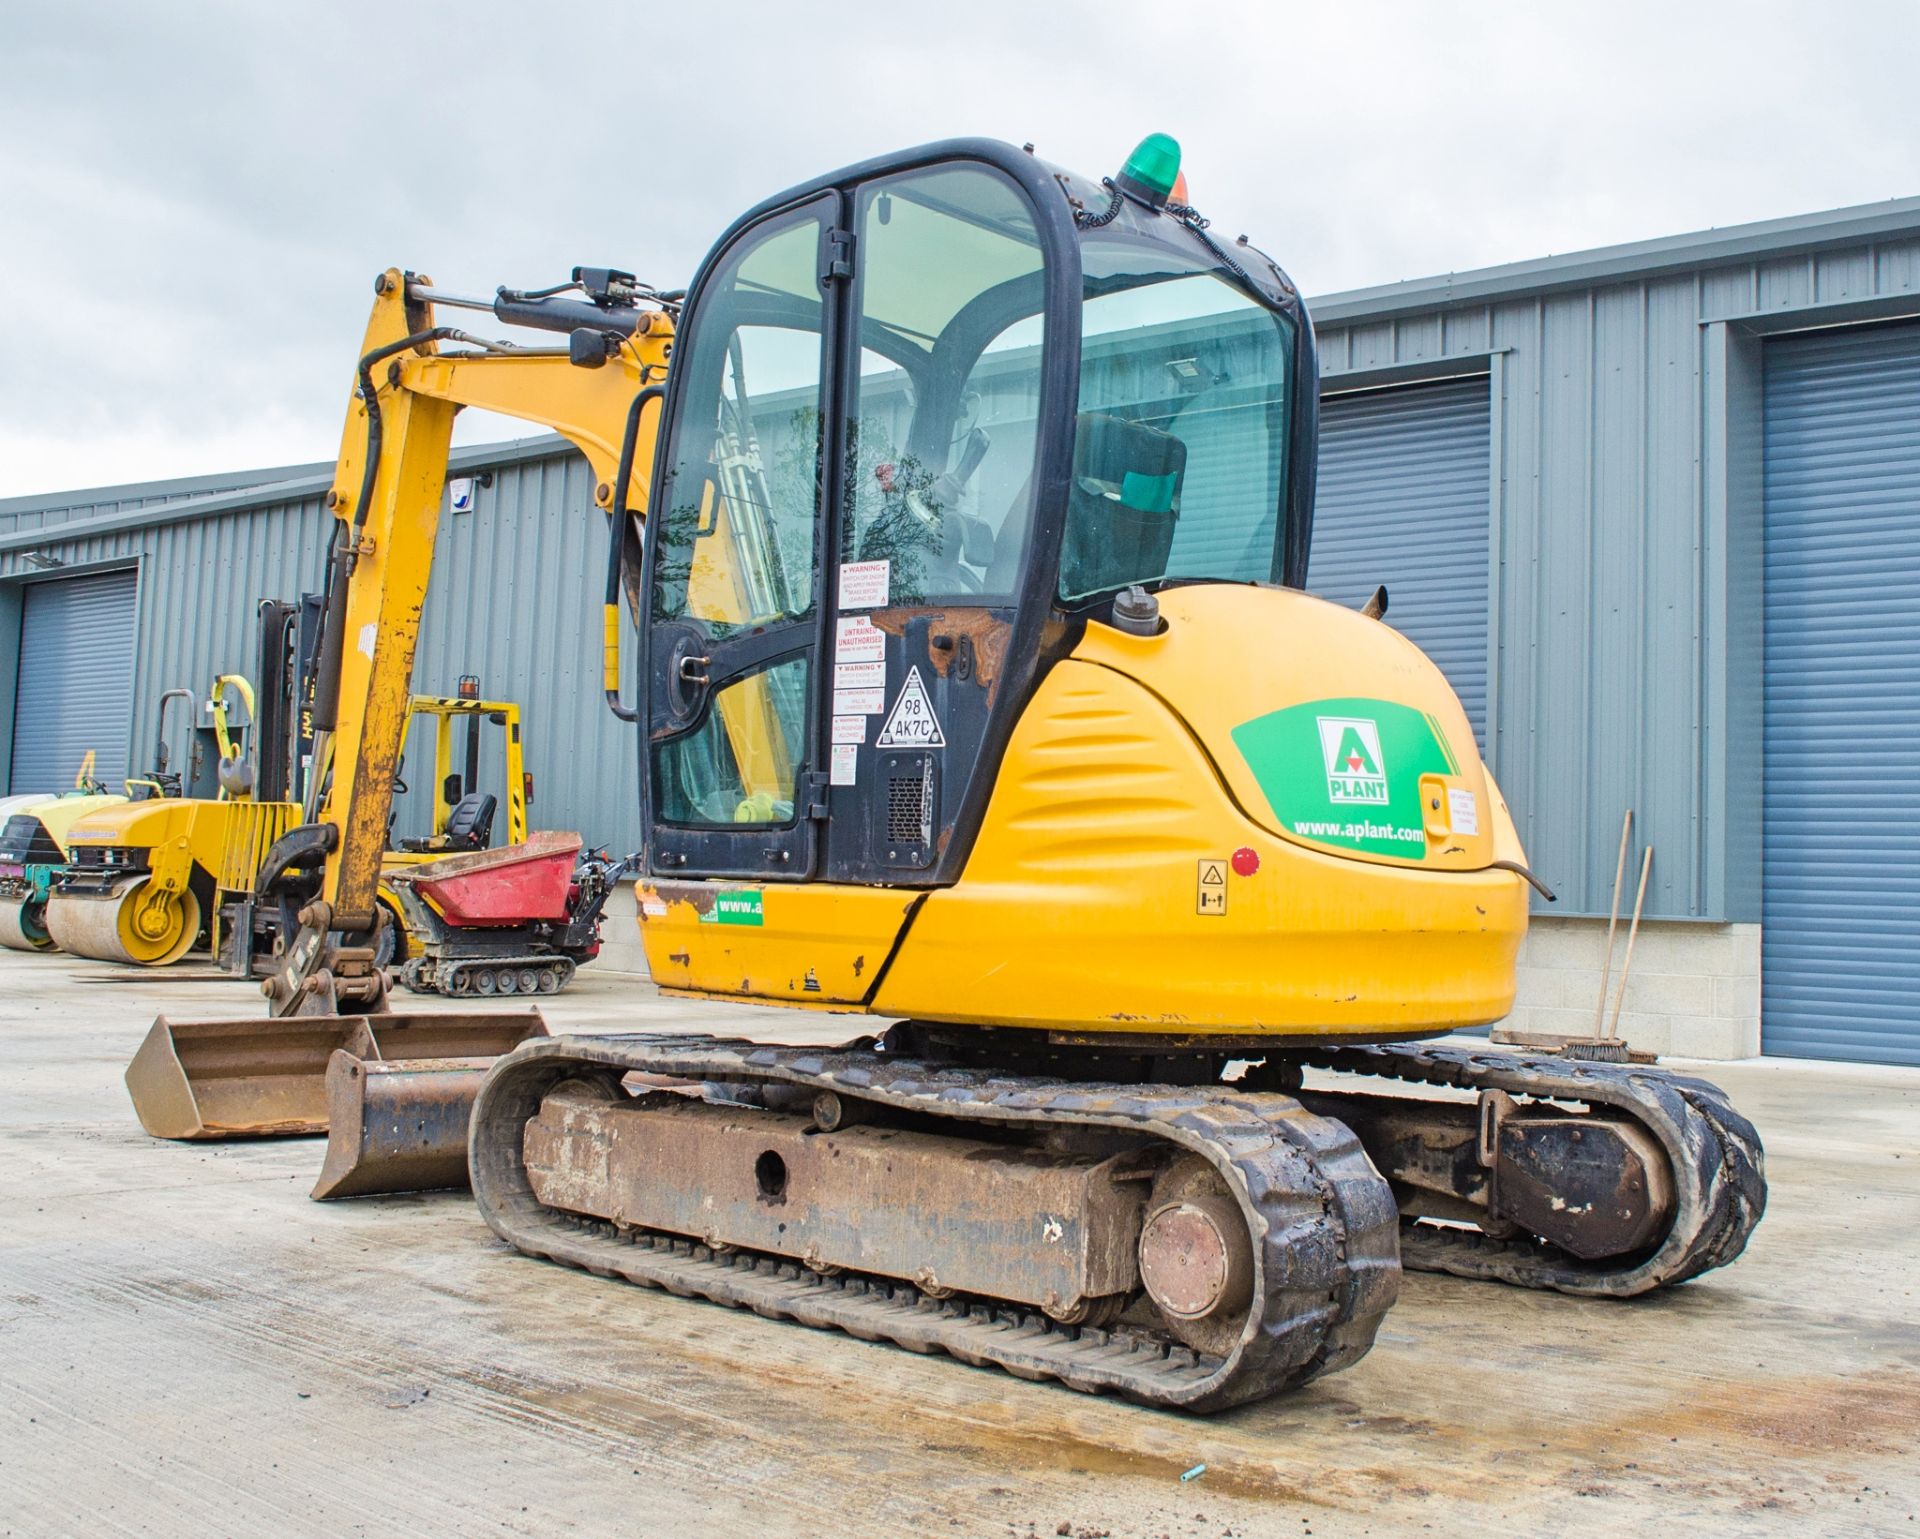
[[1270, 820], [60, 815], [226, 839]]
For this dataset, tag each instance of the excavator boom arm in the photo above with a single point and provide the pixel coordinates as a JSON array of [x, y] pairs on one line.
[[387, 496]]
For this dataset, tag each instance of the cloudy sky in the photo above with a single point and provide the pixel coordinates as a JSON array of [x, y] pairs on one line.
[[195, 196]]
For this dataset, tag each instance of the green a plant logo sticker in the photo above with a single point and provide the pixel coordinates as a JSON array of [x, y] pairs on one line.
[[1350, 748]]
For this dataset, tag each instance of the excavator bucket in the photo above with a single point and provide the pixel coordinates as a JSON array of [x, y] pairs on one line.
[[268, 1078], [397, 1126]]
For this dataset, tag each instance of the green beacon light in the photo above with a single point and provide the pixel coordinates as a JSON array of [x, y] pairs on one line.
[[1151, 170]]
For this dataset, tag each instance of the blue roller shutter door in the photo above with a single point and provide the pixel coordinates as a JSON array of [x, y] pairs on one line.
[[1403, 500], [1840, 976], [75, 689]]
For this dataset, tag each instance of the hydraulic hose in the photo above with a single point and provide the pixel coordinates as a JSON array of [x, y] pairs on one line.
[[346, 552], [1526, 876], [618, 516]]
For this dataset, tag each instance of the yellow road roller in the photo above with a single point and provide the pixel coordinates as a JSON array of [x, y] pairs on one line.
[[34, 834], [143, 879]]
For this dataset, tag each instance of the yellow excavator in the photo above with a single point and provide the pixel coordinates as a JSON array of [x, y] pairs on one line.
[[978, 690]]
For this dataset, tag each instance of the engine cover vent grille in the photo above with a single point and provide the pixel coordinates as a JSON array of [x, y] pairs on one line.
[[907, 808]]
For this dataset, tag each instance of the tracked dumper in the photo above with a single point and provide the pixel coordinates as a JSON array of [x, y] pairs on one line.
[[979, 692]]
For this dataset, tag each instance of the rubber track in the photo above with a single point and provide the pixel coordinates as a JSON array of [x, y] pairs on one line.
[[1327, 1259], [1717, 1164], [531, 962]]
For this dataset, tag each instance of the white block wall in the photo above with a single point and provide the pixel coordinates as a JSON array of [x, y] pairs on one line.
[[1694, 991], [620, 948]]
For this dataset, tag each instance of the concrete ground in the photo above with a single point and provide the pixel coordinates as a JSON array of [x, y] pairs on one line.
[[190, 1346]]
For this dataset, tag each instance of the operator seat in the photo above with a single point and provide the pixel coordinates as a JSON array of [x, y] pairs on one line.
[[470, 824], [1123, 504], [469, 827]]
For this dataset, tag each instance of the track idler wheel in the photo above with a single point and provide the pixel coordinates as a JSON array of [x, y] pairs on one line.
[[141, 924], [1196, 1257]]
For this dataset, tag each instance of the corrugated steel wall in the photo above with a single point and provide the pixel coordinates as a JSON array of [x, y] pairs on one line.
[[1402, 501], [515, 599], [1601, 690], [1841, 969], [1602, 610]]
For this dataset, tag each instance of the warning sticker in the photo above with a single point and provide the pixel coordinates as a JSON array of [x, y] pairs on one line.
[[912, 723], [846, 764], [1212, 897], [739, 907], [849, 729], [858, 640], [859, 702], [864, 584], [859, 675], [1463, 810]]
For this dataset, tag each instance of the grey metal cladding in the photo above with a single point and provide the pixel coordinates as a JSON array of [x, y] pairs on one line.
[[1609, 576], [76, 681], [1841, 970], [514, 598], [1403, 500]]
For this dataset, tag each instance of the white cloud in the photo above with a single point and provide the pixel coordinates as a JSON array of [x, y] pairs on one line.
[[196, 198]]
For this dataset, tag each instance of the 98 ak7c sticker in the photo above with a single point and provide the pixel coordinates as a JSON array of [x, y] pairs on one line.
[[911, 723], [1346, 773]]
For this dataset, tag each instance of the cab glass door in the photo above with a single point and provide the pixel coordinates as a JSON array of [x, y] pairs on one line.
[[936, 509], [733, 565]]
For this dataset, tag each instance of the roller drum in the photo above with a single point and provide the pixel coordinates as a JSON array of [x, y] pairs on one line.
[[23, 925], [123, 928]]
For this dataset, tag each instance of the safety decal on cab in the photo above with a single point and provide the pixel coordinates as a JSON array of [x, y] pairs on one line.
[[911, 723], [1346, 773]]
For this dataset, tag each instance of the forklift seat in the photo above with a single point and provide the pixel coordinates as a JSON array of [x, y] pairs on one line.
[[469, 827], [470, 824]]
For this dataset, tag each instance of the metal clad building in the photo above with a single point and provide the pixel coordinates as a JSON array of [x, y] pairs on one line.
[[1655, 509], [1403, 504], [203, 561]]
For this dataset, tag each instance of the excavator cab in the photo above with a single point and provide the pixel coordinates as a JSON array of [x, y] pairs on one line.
[[924, 421]]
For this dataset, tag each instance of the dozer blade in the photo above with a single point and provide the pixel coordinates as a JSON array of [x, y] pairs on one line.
[[267, 1078], [399, 1125]]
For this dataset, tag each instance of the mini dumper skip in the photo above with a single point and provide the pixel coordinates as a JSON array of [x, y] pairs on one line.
[[517, 919]]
